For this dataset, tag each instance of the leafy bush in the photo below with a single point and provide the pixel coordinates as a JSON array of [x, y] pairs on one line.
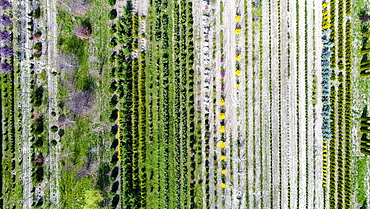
[[5, 36], [81, 102], [37, 13], [6, 51], [5, 4], [38, 175], [111, 2], [37, 46], [54, 129], [6, 67], [37, 126], [82, 32], [112, 14], [37, 95], [5, 20]]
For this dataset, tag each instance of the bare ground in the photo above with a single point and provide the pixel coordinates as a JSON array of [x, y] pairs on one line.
[[52, 85], [25, 48]]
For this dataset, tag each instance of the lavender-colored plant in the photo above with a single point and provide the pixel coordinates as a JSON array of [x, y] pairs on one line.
[[5, 4], [4, 36], [6, 51], [6, 67], [5, 20]]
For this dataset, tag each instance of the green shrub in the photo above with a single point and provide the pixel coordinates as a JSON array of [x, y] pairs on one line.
[[37, 95], [112, 14], [111, 2], [61, 132], [112, 43], [37, 13], [111, 31], [54, 129], [37, 46], [37, 126]]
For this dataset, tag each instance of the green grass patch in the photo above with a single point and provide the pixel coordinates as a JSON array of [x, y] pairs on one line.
[[361, 165], [86, 133]]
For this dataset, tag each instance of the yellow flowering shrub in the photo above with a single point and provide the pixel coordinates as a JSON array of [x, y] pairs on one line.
[[222, 129], [324, 5], [238, 31], [237, 18], [222, 102], [238, 72], [223, 157], [223, 172], [326, 26], [222, 116], [223, 185], [237, 85], [239, 57], [325, 12], [221, 144], [326, 17]]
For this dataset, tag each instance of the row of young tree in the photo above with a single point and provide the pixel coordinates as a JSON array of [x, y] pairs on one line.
[[122, 86], [326, 73], [10, 164], [340, 104], [6, 37]]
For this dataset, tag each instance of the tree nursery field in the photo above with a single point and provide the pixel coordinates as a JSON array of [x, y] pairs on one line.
[[170, 104]]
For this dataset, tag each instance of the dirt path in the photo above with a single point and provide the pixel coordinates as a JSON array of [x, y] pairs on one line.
[[249, 77], [301, 106], [284, 99], [25, 48], [230, 103], [266, 105], [309, 110], [239, 196], [293, 107], [52, 89], [318, 149]]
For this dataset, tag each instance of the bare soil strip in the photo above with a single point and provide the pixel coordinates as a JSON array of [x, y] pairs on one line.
[[318, 149], [230, 93], [309, 110], [240, 193], [275, 105], [293, 106], [249, 71], [51, 54], [25, 48], [285, 120], [266, 125]]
